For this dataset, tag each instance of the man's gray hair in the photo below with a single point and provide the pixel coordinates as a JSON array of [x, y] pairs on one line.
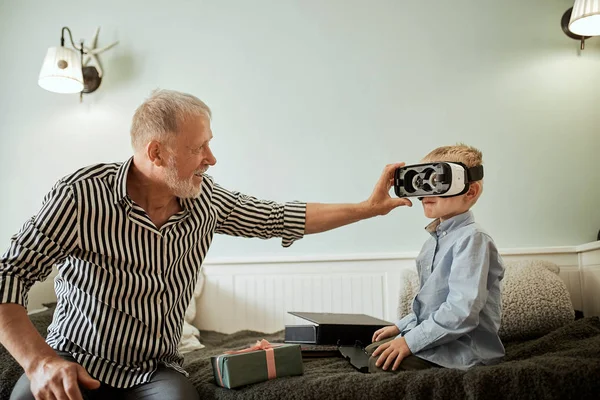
[[161, 115]]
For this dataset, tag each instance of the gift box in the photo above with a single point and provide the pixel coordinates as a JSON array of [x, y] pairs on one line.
[[258, 363]]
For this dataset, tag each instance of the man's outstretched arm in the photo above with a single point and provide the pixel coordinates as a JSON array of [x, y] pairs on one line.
[[323, 217]]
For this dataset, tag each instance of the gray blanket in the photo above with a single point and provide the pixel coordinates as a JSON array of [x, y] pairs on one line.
[[564, 364]]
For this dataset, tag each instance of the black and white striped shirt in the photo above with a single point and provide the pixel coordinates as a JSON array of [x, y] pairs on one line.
[[123, 285]]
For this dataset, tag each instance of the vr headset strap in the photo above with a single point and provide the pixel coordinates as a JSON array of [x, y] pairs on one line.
[[475, 173]]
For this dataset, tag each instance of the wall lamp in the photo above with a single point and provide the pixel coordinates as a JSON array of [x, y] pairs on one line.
[[582, 21], [65, 70]]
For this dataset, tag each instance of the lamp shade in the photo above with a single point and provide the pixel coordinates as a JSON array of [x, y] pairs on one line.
[[61, 71], [585, 18]]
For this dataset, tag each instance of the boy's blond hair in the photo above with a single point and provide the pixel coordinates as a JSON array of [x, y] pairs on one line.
[[460, 152]]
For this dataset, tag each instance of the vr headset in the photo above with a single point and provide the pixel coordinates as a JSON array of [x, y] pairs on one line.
[[445, 179]]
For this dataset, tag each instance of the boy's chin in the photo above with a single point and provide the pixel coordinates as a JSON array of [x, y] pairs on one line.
[[431, 215]]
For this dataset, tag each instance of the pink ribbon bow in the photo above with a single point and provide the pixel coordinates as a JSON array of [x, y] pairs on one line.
[[259, 346]]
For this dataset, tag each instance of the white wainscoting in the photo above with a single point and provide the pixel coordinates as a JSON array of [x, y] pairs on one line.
[[256, 294], [589, 264]]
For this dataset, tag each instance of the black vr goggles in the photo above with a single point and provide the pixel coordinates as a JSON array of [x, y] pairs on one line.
[[435, 179]]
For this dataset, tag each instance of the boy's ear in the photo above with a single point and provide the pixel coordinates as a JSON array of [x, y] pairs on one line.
[[474, 191]]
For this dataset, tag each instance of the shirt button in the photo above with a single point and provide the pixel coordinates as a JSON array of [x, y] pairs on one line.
[[444, 233]]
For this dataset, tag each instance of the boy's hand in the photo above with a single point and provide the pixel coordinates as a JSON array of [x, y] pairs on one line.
[[393, 351], [385, 333]]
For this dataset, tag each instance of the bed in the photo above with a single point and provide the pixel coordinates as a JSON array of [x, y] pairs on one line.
[[564, 364]]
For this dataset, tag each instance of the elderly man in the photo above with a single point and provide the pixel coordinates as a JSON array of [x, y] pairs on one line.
[[129, 240]]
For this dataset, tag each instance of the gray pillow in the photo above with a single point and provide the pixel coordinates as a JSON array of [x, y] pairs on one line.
[[535, 300], [409, 287]]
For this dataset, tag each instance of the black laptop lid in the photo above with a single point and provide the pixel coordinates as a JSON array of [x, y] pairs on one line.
[[339, 319]]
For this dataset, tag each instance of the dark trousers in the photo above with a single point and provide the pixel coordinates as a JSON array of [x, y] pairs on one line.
[[164, 384], [409, 363]]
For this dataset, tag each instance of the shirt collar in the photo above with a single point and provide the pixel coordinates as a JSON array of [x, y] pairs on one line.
[[120, 189], [436, 227]]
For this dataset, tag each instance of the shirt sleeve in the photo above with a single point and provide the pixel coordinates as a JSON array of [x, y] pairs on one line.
[[242, 215], [406, 321], [467, 295], [44, 240]]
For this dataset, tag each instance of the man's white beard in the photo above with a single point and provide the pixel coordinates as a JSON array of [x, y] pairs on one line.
[[182, 188]]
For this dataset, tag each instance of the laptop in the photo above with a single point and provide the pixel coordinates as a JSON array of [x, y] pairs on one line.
[[333, 329]]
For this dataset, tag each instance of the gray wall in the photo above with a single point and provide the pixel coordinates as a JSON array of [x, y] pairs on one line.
[[312, 98]]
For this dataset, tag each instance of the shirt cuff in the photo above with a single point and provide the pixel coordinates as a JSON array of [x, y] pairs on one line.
[[416, 340], [294, 221], [405, 321], [13, 290]]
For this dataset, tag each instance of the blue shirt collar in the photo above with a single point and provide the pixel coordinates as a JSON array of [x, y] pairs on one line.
[[436, 227]]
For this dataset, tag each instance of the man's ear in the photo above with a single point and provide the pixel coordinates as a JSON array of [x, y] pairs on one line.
[[157, 153]]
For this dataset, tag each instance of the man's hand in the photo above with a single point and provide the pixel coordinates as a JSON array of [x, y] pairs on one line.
[[385, 332], [55, 378], [393, 351], [380, 202]]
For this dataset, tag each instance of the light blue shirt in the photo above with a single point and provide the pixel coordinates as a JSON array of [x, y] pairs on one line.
[[456, 314]]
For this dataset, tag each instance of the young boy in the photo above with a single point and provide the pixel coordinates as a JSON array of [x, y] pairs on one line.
[[456, 313]]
